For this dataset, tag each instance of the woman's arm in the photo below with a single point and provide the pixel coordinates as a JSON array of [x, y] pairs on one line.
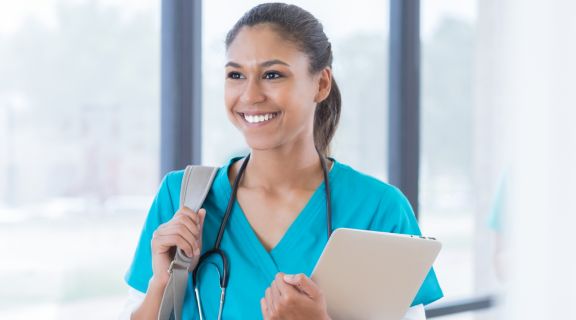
[[144, 305], [184, 231]]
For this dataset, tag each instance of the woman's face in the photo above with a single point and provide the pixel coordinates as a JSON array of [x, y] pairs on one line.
[[270, 95]]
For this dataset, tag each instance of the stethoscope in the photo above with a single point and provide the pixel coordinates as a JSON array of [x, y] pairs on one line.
[[219, 252]]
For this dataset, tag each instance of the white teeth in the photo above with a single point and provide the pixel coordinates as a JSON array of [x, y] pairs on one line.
[[259, 118]]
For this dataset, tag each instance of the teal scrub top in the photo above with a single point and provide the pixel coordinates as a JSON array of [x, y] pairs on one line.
[[358, 201]]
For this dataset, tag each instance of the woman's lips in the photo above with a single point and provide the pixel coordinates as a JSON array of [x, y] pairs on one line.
[[258, 119]]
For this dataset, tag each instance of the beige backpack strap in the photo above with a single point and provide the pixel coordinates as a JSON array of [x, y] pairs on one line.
[[196, 184]]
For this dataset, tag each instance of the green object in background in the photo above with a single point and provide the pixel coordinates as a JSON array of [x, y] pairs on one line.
[[496, 217]]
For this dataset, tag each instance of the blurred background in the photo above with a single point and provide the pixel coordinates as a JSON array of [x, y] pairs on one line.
[[80, 143]]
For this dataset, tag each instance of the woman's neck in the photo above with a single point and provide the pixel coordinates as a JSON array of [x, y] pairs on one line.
[[281, 169]]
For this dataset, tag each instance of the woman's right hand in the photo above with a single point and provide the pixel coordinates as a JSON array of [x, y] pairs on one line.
[[184, 231]]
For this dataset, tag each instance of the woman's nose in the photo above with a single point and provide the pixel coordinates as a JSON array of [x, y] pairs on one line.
[[252, 92]]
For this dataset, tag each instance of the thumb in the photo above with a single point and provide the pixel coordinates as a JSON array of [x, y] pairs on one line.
[[304, 284], [202, 216]]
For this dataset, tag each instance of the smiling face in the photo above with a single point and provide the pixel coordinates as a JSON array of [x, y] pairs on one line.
[[270, 95]]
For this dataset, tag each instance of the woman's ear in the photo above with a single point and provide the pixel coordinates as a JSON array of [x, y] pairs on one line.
[[324, 85]]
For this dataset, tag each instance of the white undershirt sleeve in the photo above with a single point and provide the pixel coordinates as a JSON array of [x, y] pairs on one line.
[[415, 313], [134, 300]]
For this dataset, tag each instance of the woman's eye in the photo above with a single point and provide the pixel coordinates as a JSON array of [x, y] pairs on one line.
[[272, 75], [234, 75]]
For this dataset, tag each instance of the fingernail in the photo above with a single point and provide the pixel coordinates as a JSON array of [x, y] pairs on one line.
[[288, 277]]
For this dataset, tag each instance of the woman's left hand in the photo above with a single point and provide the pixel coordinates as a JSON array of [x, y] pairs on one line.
[[293, 297]]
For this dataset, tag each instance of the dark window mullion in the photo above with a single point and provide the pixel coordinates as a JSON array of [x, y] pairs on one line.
[[181, 88], [404, 98]]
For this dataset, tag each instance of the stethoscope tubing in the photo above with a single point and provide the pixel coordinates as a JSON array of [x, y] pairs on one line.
[[224, 275]]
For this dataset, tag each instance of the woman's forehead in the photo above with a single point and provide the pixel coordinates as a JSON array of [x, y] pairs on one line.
[[261, 43]]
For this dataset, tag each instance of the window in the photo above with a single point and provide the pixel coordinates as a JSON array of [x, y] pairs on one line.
[[79, 146], [459, 150]]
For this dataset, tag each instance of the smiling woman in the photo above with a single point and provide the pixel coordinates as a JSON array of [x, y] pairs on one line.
[[281, 198], [289, 85]]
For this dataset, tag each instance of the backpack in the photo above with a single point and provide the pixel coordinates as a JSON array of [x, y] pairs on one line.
[[196, 184]]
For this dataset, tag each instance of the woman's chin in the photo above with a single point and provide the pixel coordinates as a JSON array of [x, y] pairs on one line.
[[261, 144]]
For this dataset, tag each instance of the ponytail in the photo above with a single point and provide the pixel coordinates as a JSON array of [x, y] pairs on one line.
[[326, 119]]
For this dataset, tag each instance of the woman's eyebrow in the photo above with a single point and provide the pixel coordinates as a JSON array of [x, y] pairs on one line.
[[264, 64], [273, 62]]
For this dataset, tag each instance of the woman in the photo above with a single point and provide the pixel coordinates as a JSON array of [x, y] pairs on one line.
[[281, 94]]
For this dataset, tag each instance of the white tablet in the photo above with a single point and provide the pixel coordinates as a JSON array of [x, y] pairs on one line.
[[373, 275]]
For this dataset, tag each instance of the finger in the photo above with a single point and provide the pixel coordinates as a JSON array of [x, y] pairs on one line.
[[280, 286], [183, 231], [276, 295], [201, 216], [270, 301], [184, 219], [286, 290], [181, 228], [304, 284], [190, 223], [190, 213], [264, 309], [165, 242], [186, 212]]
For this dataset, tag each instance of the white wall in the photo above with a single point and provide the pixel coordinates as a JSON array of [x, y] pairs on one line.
[[540, 95]]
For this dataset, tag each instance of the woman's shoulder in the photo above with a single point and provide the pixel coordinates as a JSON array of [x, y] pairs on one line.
[[353, 179], [173, 178], [170, 186], [172, 181], [370, 203]]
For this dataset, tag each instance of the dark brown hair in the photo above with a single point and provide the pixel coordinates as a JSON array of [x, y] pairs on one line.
[[303, 29]]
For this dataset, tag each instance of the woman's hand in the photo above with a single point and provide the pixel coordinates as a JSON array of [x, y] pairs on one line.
[[293, 297], [184, 231]]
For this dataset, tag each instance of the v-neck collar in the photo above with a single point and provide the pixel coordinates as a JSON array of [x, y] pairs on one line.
[[315, 205]]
